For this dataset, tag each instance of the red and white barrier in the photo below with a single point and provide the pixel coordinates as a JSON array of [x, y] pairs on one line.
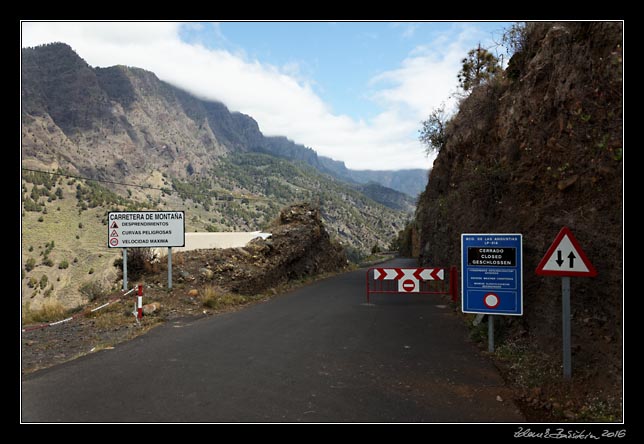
[[139, 302]]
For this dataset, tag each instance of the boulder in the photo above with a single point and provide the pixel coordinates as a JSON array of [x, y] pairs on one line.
[[148, 309]]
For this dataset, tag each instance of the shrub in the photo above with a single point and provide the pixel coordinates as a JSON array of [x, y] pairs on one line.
[[30, 264], [432, 134], [92, 290], [48, 262], [32, 282], [139, 262], [91, 271], [44, 280], [211, 298], [41, 219], [63, 264]]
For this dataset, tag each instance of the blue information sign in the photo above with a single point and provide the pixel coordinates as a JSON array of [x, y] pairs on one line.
[[492, 273]]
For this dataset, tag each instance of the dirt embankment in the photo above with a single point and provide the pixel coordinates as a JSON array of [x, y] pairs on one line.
[[535, 149], [298, 247]]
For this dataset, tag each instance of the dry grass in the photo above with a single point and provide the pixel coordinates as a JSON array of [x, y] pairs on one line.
[[51, 310], [113, 315], [212, 297]]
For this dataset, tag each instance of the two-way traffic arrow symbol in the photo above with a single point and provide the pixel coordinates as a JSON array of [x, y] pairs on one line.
[[571, 259], [559, 260]]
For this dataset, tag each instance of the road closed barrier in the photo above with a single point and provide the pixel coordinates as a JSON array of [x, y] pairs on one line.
[[412, 280]]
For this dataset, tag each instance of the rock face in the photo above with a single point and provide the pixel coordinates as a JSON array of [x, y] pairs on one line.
[[531, 151], [299, 247], [122, 121]]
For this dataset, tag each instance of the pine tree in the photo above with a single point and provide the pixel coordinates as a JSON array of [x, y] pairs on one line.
[[478, 67]]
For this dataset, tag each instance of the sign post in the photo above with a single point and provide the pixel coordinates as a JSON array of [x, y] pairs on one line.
[[565, 327], [170, 268], [490, 333], [492, 276], [565, 258], [124, 269], [146, 229]]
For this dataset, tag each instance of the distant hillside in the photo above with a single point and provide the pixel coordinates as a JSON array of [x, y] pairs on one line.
[[120, 121], [411, 182], [388, 197], [122, 124]]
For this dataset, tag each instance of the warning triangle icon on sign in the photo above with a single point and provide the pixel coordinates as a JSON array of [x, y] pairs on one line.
[[114, 225], [565, 258], [114, 234]]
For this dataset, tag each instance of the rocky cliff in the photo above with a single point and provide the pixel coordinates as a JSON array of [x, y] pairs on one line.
[[123, 121], [535, 149]]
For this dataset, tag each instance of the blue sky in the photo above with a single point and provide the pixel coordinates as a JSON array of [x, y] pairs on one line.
[[354, 91]]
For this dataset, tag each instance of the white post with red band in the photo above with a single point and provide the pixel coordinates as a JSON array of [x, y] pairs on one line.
[[139, 303]]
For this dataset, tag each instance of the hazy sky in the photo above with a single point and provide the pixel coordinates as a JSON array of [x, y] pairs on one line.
[[353, 91]]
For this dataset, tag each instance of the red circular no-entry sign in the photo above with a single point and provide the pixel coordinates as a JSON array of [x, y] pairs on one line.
[[114, 242], [408, 285], [491, 300]]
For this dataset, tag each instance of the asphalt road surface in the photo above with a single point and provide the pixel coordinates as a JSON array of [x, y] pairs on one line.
[[318, 354]]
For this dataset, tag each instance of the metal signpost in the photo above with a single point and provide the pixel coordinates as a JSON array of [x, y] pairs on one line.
[[146, 229], [565, 258], [492, 276]]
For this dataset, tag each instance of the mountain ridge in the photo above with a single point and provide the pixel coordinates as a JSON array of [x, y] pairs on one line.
[[112, 98], [119, 139]]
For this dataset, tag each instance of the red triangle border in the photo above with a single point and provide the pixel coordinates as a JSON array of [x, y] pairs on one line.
[[565, 231]]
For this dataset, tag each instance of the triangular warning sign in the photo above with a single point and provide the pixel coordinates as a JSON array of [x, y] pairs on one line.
[[114, 234], [565, 258], [114, 225]]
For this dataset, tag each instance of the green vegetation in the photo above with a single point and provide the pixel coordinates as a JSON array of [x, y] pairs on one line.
[[212, 298], [403, 242], [432, 134], [44, 280], [30, 264], [63, 264], [92, 195], [478, 67], [92, 290]]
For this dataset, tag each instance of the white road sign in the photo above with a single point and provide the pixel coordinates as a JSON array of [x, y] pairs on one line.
[[131, 229], [565, 258]]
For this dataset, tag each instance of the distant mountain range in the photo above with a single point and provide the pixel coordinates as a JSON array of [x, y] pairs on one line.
[[119, 121]]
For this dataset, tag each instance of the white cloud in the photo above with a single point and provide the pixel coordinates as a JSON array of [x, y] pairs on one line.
[[279, 98]]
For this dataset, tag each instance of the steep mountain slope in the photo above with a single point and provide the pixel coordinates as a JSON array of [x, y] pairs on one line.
[[411, 182], [531, 151], [123, 124], [120, 121], [388, 197]]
